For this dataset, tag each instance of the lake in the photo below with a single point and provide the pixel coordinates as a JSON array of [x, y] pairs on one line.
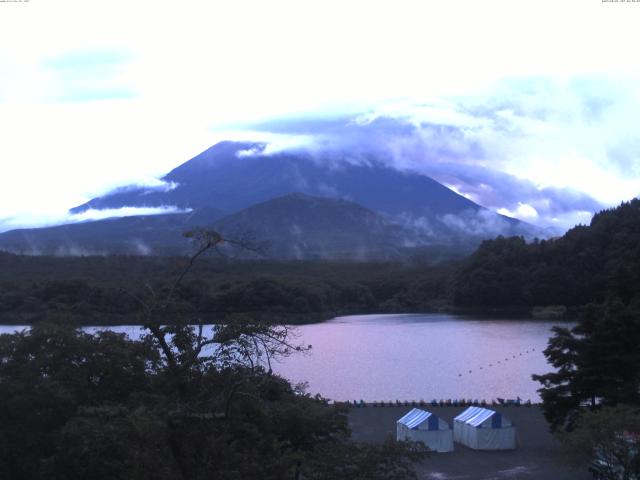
[[413, 357]]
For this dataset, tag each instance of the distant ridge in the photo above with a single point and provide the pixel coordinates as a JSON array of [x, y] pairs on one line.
[[299, 226], [135, 235], [304, 207], [223, 177], [295, 226]]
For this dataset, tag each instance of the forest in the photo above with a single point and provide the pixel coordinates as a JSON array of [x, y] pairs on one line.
[[98, 290], [587, 264]]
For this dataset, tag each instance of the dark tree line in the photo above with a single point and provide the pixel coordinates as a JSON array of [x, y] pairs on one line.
[[592, 399], [587, 264], [597, 362], [90, 290]]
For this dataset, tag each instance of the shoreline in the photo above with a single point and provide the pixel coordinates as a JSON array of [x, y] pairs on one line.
[[298, 319], [439, 403]]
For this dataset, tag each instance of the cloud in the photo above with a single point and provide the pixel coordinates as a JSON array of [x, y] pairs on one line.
[[481, 223], [93, 214], [544, 151], [136, 100], [269, 143], [47, 169], [141, 248], [524, 212], [150, 185], [88, 75], [508, 194], [549, 151], [25, 220], [87, 60]]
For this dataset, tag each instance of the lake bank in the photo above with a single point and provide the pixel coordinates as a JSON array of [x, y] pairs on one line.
[[94, 319], [538, 454], [548, 312]]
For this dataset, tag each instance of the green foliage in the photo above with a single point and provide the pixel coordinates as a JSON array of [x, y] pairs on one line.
[[349, 461], [607, 439], [596, 361], [47, 373], [93, 290], [111, 442], [182, 403], [585, 265], [80, 406]]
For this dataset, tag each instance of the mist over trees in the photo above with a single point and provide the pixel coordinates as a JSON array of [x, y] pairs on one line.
[[587, 264]]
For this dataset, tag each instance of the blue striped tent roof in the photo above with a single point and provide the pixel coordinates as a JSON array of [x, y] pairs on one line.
[[467, 414], [476, 416], [416, 417]]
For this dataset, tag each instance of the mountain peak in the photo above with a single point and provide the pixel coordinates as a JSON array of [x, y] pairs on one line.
[[306, 204], [216, 156], [223, 178], [302, 226]]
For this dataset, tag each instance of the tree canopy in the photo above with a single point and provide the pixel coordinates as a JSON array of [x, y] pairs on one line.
[[183, 402], [608, 440], [587, 264], [597, 362]]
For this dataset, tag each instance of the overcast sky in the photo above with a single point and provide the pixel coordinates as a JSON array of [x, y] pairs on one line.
[[531, 108]]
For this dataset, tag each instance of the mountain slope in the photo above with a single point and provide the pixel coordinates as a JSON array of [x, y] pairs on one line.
[[135, 235], [222, 177], [299, 226], [295, 226], [371, 209]]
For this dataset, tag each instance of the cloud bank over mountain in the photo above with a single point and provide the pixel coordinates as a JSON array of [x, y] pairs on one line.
[[546, 151], [26, 221], [85, 107]]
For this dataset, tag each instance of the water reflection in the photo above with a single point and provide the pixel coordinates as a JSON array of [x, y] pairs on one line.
[[413, 357]]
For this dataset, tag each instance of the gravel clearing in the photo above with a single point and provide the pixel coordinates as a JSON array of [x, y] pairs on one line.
[[536, 457]]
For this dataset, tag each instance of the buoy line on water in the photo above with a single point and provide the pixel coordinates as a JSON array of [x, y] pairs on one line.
[[506, 359]]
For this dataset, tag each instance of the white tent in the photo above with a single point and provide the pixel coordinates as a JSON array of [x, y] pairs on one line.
[[483, 429], [421, 426]]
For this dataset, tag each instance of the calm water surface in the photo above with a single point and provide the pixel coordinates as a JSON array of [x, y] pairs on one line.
[[413, 357]]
